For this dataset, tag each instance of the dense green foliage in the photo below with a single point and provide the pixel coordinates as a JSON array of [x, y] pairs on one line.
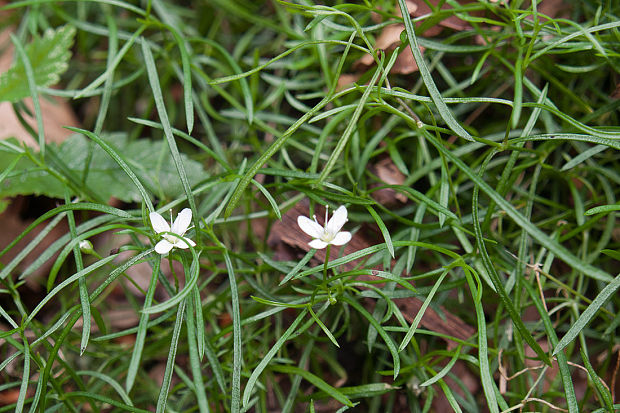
[[500, 207]]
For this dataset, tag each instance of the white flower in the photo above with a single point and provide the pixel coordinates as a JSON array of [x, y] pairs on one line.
[[176, 239], [328, 234]]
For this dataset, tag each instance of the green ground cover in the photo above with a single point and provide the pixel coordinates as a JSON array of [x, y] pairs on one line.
[[479, 174]]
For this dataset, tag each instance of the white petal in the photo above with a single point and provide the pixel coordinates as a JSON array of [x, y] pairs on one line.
[[317, 244], [159, 223], [163, 247], [309, 226], [183, 245], [341, 238], [338, 220], [182, 222]]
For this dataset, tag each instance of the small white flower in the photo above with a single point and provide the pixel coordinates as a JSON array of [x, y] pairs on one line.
[[176, 239], [329, 233]]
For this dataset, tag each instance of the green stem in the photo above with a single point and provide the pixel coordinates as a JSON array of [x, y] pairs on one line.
[[325, 263]]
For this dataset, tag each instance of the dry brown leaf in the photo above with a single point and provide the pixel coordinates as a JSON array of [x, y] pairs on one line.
[[389, 38], [388, 173], [451, 22]]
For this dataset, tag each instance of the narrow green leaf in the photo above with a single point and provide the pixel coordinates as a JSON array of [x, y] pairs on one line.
[[497, 282], [235, 406], [121, 162], [597, 381], [384, 335], [272, 202], [383, 229], [351, 126], [421, 311], [483, 349], [558, 249], [84, 302], [249, 387], [436, 97], [588, 314], [315, 380], [194, 271], [23, 388], [298, 266], [603, 208], [441, 374], [324, 328], [32, 90], [194, 357], [174, 342], [136, 354], [113, 383], [151, 70]]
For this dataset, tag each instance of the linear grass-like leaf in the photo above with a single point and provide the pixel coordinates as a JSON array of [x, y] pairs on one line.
[[23, 253], [194, 358], [79, 264], [245, 88], [597, 381], [315, 380], [23, 388], [235, 406], [113, 383], [421, 311], [567, 380], [65, 283], [249, 387], [151, 70], [280, 141], [384, 335], [121, 162], [445, 369], [298, 266], [383, 229], [324, 328], [200, 324], [436, 97], [194, 272], [32, 86], [351, 126], [272, 202], [603, 209], [559, 250], [136, 354], [112, 66], [41, 391], [497, 282], [174, 342], [588, 314], [483, 350]]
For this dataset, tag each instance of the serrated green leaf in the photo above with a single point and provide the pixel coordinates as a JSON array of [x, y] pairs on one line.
[[158, 173], [49, 56]]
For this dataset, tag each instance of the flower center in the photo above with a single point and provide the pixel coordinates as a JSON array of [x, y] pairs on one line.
[[173, 239], [327, 236]]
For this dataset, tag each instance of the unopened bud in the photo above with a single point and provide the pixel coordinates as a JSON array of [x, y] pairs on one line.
[[86, 247]]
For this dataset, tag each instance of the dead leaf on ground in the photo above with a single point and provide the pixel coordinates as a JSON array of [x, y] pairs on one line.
[[389, 173], [389, 39]]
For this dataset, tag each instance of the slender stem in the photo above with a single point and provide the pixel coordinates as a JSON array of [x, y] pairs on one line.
[[327, 253]]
